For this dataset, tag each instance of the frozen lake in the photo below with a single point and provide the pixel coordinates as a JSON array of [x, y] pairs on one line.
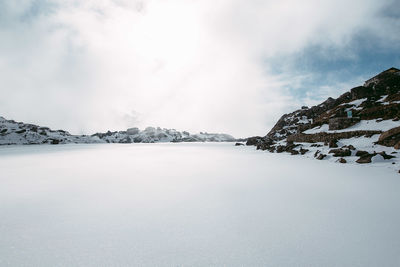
[[192, 205]]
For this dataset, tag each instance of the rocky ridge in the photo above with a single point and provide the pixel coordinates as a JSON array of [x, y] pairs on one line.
[[360, 126], [18, 133]]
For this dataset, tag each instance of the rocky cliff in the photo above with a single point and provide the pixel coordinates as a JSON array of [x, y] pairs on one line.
[[366, 118]]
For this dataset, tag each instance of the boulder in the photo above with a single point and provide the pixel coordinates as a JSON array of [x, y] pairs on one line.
[[397, 145], [253, 141], [280, 149], [390, 138], [340, 152], [386, 156], [361, 153], [341, 160], [349, 147], [55, 141], [333, 143], [366, 158], [321, 156], [239, 144], [303, 151]]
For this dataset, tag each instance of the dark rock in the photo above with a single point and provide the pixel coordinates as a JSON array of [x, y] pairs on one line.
[[55, 141], [341, 160], [126, 140], [239, 144], [316, 145], [390, 138], [397, 145], [265, 145], [303, 151], [280, 149], [327, 137], [339, 152], [20, 131], [361, 153], [333, 143], [349, 147], [365, 158], [137, 139], [294, 152], [342, 123], [253, 141], [321, 156], [385, 156]]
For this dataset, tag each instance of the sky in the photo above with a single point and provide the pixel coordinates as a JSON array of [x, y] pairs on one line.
[[229, 66]]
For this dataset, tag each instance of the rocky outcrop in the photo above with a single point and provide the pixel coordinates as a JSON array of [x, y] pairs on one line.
[[340, 152], [328, 137], [378, 98], [342, 123], [16, 133], [330, 123], [390, 138]]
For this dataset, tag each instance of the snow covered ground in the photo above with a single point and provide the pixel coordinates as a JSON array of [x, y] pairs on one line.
[[192, 204]]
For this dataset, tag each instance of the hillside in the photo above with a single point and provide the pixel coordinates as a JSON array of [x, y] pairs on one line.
[[19, 133], [362, 125]]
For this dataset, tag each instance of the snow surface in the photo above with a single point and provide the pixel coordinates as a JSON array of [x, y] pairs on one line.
[[356, 102], [371, 125], [192, 204]]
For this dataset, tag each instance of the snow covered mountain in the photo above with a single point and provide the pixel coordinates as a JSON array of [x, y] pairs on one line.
[[360, 126], [18, 133]]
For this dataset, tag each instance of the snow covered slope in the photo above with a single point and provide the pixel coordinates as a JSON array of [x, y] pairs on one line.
[[19, 133], [361, 126]]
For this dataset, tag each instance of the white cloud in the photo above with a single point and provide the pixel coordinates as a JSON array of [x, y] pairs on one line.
[[198, 65]]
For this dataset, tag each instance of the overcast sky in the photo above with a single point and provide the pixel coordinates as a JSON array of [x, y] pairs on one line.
[[231, 66]]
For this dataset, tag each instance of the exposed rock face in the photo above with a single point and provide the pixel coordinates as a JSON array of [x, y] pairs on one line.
[[390, 138], [328, 137], [397, 146], [333, 143], [255, 140], [378, 98], [340, 152], [298, 120], [342, 123], [356, 116], [366, 158]]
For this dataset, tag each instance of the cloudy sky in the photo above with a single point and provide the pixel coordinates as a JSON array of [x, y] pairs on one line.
[[230, 66]]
